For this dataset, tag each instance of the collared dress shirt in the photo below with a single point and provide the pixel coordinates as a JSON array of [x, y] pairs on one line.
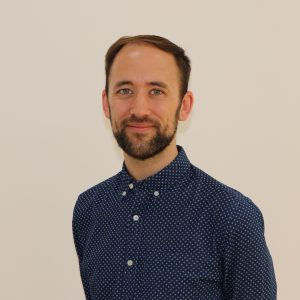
[[179, 234]]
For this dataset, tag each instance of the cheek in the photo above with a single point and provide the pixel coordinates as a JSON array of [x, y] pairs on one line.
[[160, 110], [119, 110], [165, 113]]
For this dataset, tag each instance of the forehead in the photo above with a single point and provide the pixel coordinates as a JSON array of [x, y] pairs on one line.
[[142, 63]]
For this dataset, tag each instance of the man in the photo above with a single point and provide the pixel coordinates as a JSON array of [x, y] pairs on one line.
[[162, 228]]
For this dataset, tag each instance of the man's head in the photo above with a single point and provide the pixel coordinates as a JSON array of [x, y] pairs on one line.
[[146, 93]]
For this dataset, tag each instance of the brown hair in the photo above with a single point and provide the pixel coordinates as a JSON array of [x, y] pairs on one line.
[[182, 61]]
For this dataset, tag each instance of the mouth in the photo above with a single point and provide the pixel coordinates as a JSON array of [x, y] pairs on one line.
[[141, 127]]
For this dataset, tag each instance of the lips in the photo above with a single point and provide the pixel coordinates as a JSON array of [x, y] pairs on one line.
[[143, 125], [140, 126]]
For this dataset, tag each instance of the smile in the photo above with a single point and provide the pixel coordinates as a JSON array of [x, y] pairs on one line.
[[140, 127]]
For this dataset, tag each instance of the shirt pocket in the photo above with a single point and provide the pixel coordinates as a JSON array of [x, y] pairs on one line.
[[190, 265], [191, 276]]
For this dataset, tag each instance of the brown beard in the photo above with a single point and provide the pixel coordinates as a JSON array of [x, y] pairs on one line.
[[148, 149]]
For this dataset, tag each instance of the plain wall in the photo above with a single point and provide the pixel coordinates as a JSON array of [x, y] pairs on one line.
[[55, 142]]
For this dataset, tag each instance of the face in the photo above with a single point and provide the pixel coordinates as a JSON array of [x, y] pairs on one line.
[[144, 103]]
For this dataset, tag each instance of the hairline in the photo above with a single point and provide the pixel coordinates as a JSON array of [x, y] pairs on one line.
[[148, 44]]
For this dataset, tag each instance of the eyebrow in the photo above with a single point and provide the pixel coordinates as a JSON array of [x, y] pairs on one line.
[[152, 83]]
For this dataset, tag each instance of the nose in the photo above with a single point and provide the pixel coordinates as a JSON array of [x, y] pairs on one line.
[[140, 105]]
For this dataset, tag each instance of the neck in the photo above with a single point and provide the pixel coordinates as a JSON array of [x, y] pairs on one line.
[[141, 169]]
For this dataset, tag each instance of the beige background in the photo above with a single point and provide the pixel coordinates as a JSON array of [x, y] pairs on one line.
[[55, 142]]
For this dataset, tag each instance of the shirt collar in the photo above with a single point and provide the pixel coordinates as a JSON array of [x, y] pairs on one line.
[[162, 180]]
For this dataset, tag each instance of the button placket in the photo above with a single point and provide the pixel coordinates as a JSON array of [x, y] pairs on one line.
[[134, 227]]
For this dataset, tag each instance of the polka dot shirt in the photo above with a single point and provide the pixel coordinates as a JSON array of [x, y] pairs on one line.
[[179, 234]]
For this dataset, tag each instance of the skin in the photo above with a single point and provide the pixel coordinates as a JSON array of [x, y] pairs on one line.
[[140, 67]]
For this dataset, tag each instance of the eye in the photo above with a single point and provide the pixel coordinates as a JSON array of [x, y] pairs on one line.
[[156, 92], [124, 91]]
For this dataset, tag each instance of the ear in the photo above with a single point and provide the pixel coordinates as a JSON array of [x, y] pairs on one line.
[[105, 104], [186, 106]]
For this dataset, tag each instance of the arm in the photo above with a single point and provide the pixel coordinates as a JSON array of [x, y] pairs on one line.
[[248, 267], [78, 226]]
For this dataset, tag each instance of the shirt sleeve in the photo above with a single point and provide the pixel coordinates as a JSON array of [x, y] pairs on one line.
[[79, 228], [248, 267]]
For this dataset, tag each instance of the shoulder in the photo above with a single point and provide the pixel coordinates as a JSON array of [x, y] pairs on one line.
[[233, 216], [94, 194], [227, 204]]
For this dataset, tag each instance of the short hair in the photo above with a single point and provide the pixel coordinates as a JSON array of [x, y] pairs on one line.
[[182, 61]]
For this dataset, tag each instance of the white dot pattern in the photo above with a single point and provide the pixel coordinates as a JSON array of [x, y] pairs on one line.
[[179, 234]]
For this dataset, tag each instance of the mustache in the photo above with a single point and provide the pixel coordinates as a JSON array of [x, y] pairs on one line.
[[144, 119]]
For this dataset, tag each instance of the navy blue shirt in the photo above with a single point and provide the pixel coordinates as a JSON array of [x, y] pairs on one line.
[[179, 234]]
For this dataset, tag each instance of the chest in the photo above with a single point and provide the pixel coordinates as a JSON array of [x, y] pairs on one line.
[[148, 241]]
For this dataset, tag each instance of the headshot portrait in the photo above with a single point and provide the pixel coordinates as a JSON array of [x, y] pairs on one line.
[[150, 150]]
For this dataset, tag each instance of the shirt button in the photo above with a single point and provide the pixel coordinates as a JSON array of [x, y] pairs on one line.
[[130, 186], [129, 262], [136, 217], [124, 193], [156, 193]]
